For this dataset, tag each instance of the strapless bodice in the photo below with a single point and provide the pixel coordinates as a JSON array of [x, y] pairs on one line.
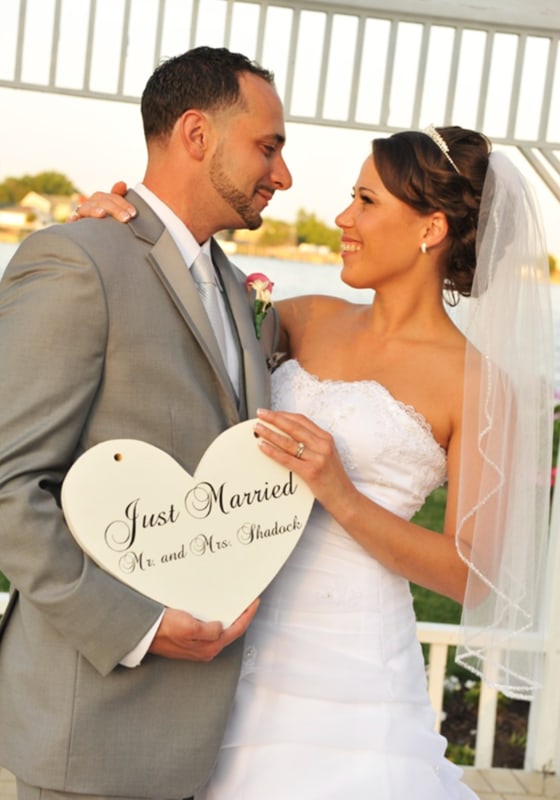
[[387, 447]]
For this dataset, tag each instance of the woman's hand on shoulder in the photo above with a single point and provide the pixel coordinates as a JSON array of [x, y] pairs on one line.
[[103, 204]]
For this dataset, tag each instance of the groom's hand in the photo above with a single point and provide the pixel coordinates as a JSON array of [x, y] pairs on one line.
[[181, 636]]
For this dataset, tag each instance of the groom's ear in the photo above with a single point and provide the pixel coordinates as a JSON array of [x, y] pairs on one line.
[[195, 132]]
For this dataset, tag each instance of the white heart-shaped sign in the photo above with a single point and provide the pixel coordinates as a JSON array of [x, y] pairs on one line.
[[208, 543]]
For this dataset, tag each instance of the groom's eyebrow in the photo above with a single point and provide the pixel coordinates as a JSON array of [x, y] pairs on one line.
[[277, 138]]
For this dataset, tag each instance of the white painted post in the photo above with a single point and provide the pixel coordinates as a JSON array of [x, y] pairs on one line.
[[543, 742], [486, 726], [436, 678]]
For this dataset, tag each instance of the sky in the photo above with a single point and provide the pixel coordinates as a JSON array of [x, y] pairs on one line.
[[96, 142]]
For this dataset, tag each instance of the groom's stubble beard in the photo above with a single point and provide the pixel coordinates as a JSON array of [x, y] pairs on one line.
[[235, 198]]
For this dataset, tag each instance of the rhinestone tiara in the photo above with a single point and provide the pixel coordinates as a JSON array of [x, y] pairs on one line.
[[436, 137]]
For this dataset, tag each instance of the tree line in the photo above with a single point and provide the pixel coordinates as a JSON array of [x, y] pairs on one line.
[[12, 190], [307, 229]]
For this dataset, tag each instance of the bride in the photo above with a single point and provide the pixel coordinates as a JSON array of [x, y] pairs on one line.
[[374, 407]]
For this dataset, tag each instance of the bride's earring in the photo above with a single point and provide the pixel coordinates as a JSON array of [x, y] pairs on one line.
[[424, 248], [450, 295]]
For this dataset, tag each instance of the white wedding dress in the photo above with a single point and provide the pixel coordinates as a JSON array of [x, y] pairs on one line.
[[332, 701]]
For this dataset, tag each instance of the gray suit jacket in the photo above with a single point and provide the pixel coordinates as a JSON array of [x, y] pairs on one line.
[[103, 335]]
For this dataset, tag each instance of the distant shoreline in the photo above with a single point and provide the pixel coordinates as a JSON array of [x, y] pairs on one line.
[[309, 254], [282, 253]]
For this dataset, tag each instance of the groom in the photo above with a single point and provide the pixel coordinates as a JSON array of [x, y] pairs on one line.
[[103, 334]]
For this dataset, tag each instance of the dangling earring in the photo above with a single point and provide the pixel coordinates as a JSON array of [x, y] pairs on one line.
[[424, 248], [450, 294]]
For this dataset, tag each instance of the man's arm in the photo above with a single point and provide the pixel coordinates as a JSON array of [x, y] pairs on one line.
[[53, 329]]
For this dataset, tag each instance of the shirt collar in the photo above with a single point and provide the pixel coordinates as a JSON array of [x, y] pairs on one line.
[[182, 236]]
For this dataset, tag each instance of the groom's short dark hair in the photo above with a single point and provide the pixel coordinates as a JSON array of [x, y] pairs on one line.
[[206, 78]]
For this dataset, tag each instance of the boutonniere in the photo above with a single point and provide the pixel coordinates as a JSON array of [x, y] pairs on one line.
[[262, 286]]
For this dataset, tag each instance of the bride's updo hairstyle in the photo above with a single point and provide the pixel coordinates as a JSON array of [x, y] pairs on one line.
[[416, 169]]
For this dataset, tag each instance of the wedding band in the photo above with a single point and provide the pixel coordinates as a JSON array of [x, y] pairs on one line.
[[300, 449]]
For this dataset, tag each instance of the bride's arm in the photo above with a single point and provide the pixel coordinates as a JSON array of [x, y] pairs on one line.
[[422, 556]]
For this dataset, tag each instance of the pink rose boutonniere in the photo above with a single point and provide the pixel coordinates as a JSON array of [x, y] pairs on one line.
[[262, 286]]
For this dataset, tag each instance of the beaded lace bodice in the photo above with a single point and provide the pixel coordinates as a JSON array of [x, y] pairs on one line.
[[386, 446]]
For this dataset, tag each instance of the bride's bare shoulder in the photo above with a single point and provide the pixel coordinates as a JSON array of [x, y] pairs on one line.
[[309, 318], [310, 305]]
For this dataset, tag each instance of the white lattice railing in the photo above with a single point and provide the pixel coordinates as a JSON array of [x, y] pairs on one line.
[[543, 736], [339, 63], [439, 639]]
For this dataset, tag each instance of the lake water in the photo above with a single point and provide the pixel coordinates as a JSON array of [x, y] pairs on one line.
[[295, 277], [290, 277]]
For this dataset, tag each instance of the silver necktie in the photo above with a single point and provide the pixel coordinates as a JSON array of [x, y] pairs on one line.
[[204, 276]]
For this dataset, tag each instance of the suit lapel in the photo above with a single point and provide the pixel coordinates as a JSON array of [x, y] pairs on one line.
[[255, 374], [171, 269]]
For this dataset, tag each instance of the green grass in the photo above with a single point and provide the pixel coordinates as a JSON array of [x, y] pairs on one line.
[[433, 511]]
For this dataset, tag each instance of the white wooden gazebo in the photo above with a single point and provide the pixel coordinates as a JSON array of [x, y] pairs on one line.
[[375, 65]]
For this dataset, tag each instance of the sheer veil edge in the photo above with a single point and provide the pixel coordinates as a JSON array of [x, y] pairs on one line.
[[504, 494]]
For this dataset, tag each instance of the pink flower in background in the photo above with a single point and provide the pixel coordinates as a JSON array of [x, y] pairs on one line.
[[262, 286]]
